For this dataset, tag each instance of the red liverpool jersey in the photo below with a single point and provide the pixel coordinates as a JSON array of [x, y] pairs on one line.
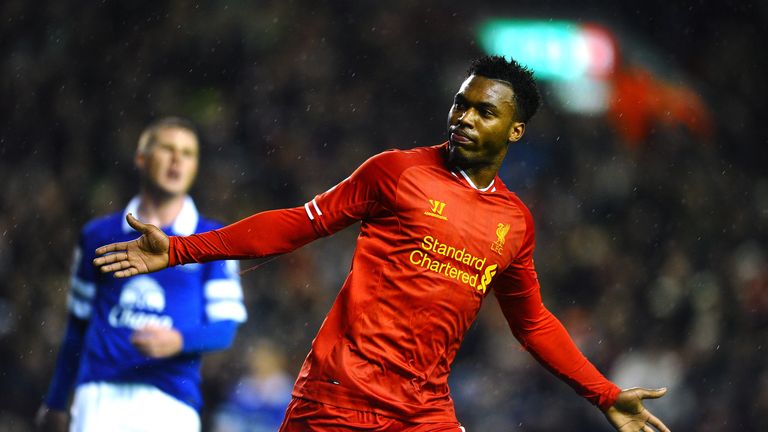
[[431, 247]]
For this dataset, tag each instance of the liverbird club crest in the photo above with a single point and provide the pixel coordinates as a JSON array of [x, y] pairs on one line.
[[501, 234]]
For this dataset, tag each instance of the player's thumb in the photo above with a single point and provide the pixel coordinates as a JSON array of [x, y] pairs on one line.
[[652, 394], [136, 224]]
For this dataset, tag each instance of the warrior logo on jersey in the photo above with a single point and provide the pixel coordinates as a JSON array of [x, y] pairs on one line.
[[436, 209], [501, 234], [141, 303]]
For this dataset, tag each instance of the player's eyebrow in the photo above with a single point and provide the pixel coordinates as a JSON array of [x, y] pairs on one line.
[[487, 106], [480, 105]]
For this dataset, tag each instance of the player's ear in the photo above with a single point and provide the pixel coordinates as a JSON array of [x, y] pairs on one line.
[[516, 131], [139, 160]]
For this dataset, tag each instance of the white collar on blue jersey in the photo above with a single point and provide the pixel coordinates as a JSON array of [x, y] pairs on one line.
[[185, 223]]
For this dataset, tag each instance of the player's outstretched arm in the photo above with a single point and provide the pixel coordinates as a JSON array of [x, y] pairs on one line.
[[146, 254], [629, 415]]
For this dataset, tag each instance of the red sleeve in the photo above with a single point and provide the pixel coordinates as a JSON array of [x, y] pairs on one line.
[[280, 231], [542, 334], [263, 234], [362, 195]]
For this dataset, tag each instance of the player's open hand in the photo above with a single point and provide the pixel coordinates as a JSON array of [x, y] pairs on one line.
[[629, 415], [146, 254]]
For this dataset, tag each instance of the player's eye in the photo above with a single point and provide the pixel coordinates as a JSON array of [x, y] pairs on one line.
[[165, 148]]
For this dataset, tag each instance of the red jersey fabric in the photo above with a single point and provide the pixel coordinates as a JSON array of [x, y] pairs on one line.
[[431, 248], [304, 415]]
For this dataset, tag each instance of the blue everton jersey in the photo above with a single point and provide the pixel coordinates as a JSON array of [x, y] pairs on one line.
[[189, 298]]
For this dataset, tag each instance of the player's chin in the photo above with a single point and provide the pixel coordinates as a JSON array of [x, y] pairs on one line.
[[175, 186], [458, 156], [170, 192]]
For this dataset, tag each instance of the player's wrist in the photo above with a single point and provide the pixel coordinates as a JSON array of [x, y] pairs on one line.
[[172, 248], [608, 400]]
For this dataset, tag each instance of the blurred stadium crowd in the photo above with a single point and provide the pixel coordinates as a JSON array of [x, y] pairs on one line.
[[654, 253]]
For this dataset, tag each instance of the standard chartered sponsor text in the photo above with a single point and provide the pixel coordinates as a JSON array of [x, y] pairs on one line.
[[423, 258]]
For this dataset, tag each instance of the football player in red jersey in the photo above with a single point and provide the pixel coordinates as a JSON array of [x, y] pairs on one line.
[[439, 231]]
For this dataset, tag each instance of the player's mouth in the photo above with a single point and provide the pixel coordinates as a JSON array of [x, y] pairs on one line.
[[459, 136], [173, 175], [461, 139]]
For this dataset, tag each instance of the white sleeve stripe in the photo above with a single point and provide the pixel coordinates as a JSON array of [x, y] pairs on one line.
[[232, 268], [79, 308], [226, 310], [223, 289], [317, 209], [309, 213], [83, 288]]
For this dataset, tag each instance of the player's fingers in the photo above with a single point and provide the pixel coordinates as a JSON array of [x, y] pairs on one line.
[[144, 343], [140, 337], [111, 258], [119, 265], [140, 345], [633, 425], [647, 428], [655, 422], [152, 329], [114, 247], [126, 273]]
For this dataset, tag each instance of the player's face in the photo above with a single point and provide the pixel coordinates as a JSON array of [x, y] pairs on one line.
[[169, 165], [481, 123]]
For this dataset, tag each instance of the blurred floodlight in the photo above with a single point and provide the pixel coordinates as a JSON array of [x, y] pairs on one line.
[[582, 96], [555, 50]]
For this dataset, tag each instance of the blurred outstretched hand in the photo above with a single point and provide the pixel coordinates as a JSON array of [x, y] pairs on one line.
[[629, 415], [146, 254], [157, 341]]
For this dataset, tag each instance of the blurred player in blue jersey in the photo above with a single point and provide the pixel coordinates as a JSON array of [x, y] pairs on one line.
[[132, 348]]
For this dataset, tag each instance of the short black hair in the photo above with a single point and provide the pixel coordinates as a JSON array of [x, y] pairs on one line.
[[519, 77]]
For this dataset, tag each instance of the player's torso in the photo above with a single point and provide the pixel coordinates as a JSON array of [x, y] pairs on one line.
[[169, 298], [454, 237], [444, 243], [421, 269]]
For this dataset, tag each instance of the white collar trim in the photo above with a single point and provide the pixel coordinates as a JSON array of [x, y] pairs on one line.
[[471, 183], [184, 224]]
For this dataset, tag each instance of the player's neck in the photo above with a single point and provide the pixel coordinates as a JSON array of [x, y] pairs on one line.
[[160, 211], [482, 176]]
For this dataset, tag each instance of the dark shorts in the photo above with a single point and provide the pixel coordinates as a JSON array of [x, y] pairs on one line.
[[308, 416]]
